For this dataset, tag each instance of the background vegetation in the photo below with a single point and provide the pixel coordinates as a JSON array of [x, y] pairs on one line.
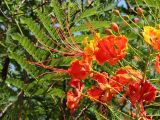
[[28, 32]]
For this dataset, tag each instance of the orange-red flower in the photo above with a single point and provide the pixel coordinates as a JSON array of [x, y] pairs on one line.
[[78, 70], [105, 89], [126, 75], [157, 64], [111, 49], [73, 98], [141, 92], [72, 101]]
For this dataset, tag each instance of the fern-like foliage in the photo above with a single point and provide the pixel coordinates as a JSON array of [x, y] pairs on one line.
[[37, 54], [32, 70], [46, 21], [58, 11], [39, 34], [95, 24]]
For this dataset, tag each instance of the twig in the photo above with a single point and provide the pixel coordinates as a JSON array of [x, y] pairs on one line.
[[84, 109], [20, 5], [8, 106], [64, 116], [5, 109], [41, 5], [9, 19]]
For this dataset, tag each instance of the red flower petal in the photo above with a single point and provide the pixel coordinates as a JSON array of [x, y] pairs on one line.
[[148, 92], [101, 79], [77, 84], [78, 70], [107, 96], [95, 93], [111, 49], [127, 75], [116, 86], [156, 43], [141, 92], [101, 58], [72, 101], [134, 93], [157, 64]]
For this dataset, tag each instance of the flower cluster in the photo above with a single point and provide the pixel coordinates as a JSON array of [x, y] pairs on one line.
[[109, 49], [152, 37], [131, 84]]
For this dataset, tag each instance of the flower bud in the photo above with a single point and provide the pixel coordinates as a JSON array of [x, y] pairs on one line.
[[114, 27], [116, 12], [139, 11], [108, 31], [136, 20]]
